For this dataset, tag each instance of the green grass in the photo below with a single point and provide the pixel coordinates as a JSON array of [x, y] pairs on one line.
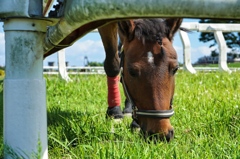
[[206, 120], [234, 65]]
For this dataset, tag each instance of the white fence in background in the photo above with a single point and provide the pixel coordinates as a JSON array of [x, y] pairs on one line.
[[53, 70], [217, 29]]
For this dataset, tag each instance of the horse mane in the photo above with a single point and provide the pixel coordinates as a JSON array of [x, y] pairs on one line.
[[150, 29]]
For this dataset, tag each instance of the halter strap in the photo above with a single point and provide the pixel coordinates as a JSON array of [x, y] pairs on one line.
[[155, 113]]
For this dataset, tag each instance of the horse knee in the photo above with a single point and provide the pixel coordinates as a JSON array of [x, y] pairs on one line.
[[111, 69]]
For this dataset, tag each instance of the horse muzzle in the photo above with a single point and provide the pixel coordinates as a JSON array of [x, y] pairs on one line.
[[156, 137]]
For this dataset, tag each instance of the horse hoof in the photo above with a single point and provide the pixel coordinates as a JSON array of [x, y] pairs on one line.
[[134, 126], [114, 113]]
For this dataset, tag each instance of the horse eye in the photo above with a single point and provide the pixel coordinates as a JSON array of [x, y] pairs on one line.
[[133, 70], [133, 73], [174, 70]]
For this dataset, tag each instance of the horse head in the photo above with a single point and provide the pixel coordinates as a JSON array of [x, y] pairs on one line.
[[149, 63]]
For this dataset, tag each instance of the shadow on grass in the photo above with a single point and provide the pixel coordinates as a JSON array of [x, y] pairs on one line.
[[57, 117], [75, 128], [72, 126]]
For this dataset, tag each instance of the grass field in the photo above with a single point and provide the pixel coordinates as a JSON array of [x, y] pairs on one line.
[[231, 65], [206, 120]]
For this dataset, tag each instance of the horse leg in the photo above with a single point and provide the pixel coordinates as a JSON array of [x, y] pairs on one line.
[[109, 37]]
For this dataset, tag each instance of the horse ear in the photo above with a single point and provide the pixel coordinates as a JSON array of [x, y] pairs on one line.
[[126, 29], [173, 24]]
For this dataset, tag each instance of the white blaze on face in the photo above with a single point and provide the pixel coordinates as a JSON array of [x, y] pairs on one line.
[[150, 57]]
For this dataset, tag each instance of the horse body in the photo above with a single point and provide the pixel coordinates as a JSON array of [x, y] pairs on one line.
[[149, 65]]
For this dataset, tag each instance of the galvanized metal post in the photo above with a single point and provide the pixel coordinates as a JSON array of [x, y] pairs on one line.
[[25, 115]]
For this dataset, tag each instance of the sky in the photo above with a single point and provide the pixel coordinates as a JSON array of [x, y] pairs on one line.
[[91, 46]]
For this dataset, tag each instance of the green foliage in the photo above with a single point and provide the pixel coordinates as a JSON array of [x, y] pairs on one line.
[[95, 64], [2, 74], [206, 120]]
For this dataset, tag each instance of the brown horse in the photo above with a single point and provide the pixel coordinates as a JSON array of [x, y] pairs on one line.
[[148, 63]]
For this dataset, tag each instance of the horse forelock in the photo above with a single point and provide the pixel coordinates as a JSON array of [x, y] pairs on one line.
[[150, 29]]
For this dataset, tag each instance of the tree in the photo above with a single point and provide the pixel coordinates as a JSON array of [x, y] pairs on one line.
[[232, 39], [214, 53], [95, 64], [2, 68]]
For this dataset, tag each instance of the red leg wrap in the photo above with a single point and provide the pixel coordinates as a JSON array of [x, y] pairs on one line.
[[114, 98]]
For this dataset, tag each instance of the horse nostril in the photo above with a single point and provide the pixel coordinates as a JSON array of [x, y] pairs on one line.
[[170, 135]]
